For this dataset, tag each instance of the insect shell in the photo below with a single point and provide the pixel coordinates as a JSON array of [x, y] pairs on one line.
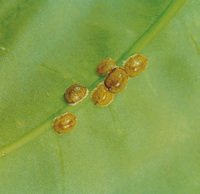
[[105, 66], [135, 64], [101, 96], [116, 80], [75, 94], [64, 123]]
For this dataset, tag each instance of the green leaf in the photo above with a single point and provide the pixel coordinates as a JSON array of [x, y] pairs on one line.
[[145, 141]]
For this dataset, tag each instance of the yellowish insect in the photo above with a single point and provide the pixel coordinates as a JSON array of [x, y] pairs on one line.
[[19, 123], [75, 94], [116, 80], [74, 81], [135, 64], [64, 123], [101, 96], [105, 66]]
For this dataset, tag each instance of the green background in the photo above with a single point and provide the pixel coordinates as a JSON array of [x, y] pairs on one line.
[[147, 141]]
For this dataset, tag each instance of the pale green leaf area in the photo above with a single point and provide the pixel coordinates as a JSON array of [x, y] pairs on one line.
[[147, 141]]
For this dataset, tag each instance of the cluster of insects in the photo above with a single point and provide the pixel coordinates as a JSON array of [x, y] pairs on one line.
[[114, 83], [117, 78]]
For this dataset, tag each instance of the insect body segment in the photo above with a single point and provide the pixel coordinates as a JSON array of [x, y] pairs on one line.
[[116, 80], [135, 65], [105, 66], [75, 94], [64, 123], [101, 96]]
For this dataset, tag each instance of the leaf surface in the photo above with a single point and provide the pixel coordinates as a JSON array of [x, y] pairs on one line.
[[145, 141]]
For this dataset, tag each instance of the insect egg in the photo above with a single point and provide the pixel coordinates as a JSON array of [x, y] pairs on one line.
[[64, 123], [135, 64], [101, 96], [75, 94], [105, 66], [116, 80]]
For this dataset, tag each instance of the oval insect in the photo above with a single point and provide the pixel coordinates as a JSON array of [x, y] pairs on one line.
[[116, 80], [75, 94], [64, 123], [101, 96], [105, 66], [135, 65]]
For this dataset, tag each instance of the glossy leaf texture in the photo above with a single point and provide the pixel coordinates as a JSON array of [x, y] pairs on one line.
[[145, 141]]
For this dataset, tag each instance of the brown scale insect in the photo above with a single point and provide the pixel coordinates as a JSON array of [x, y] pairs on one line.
[[116, 80], [101, 96], [64, 123], [75, 94], [135, 65], [105, 66]]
